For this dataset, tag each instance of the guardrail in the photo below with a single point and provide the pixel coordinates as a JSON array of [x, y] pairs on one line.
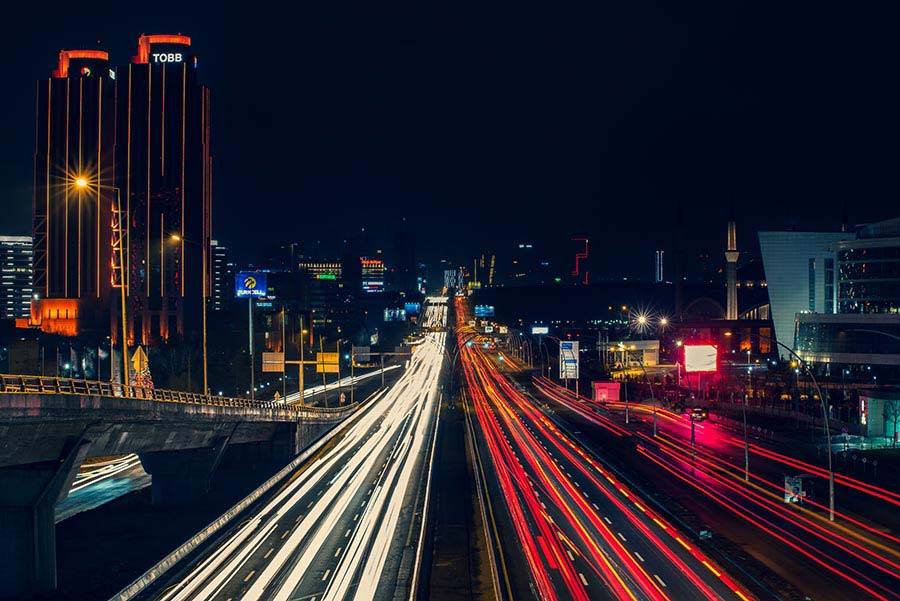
[[17, 384]]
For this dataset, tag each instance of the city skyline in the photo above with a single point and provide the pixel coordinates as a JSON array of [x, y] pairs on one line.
[[634, 137]]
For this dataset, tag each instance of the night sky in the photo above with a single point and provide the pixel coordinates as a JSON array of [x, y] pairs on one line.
[[483, 127]]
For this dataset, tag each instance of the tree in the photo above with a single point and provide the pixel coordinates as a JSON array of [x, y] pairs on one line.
[[892, 413]]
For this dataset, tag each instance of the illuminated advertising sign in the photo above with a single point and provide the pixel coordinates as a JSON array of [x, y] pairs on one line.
[[166, 57], [484, 310], [488, 329], [540, 330], [568, 360], [700, 357], [412, 308], [395, 315], [250, 283]]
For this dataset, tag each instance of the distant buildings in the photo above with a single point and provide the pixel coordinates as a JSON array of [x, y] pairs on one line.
[[223, 271], [16, 287]]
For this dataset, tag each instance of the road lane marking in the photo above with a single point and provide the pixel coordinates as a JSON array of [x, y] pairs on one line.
[[572, 557], [269, 552], [638, 555], [250, 575], [327, 572], [660, 580], [286, 532], [624, 540], [583, 579], [606, 519], [356, 517], [338, 552], [347, 533]]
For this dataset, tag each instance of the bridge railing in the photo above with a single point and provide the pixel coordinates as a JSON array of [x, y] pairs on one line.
[[23, 384]]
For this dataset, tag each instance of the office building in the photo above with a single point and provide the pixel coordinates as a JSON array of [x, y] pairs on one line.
[[327, 298], [372, 275], [799, 273], [223, 270], [165, 176], [74, 179], [658, 276], [16, 289], [403, 262]]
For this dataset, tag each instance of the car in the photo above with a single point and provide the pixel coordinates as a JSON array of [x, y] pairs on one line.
[[698, 414]]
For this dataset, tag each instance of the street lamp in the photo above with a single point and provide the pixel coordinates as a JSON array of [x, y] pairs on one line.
[[203, 251], [81, 182]]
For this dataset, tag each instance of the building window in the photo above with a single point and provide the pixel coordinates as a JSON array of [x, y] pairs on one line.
[[812, 285], [829, 285]]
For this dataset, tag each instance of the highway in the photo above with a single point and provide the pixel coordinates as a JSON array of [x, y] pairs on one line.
[[346, 525], [849, 557], [576, 531]]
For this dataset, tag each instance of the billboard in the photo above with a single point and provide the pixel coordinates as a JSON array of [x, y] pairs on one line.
[[540, 330], [568, 360], [488, 329], [484, 310], [250, 283], [700, 357], [395, 314], [412, 308]]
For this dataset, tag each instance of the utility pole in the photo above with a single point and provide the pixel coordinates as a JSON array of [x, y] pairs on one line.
[[250, 346]]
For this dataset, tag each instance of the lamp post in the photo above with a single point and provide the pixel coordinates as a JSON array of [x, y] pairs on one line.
[[203, 252], [81, 182], [801, 363]]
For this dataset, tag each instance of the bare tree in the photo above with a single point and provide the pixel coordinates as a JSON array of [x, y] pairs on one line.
[[892, 413]]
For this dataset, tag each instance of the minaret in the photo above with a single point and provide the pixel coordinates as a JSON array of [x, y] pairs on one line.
[[731, 257]]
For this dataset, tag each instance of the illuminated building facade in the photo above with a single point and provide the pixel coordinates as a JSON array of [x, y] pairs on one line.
[[223, 270], [16, 287], [74, 178], [372, 275], [165, 177]]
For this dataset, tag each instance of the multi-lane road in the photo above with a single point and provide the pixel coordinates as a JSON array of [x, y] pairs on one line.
[[848, 558], [575, 530], [347, 525]]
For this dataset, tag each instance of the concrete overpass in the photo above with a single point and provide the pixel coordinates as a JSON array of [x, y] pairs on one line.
[[49, 425]]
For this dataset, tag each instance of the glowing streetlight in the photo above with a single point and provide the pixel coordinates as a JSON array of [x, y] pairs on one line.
[[81, 182], [663, 321]]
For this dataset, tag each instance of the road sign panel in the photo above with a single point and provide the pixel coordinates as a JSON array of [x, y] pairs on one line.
[[273, 362], [139, 360], [327, 363], [568, 360]]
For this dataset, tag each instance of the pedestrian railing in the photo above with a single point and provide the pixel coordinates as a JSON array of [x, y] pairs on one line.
[[19, 384]]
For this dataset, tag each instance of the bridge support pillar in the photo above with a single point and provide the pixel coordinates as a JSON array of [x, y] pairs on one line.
[[28, 496], [182, 477]]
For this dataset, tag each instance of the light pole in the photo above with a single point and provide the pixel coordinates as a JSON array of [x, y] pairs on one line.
[[801, 363], [203, 251], [82, 183]]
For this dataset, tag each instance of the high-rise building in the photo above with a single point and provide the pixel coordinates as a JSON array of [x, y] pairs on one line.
[[164, 172], [658, 264], [223, 271], [403, 262], [16, 288], [74, 178], [372, 274]]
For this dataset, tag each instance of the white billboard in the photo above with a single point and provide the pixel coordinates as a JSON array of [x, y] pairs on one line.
[[536, 330], [568, 360], [700, 357]]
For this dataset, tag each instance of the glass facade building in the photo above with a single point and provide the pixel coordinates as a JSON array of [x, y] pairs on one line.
[[869, 276]]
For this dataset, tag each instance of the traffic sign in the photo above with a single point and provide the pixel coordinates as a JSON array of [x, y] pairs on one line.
[[327, 363], [273, 362], [139, 360], [568, 360]]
